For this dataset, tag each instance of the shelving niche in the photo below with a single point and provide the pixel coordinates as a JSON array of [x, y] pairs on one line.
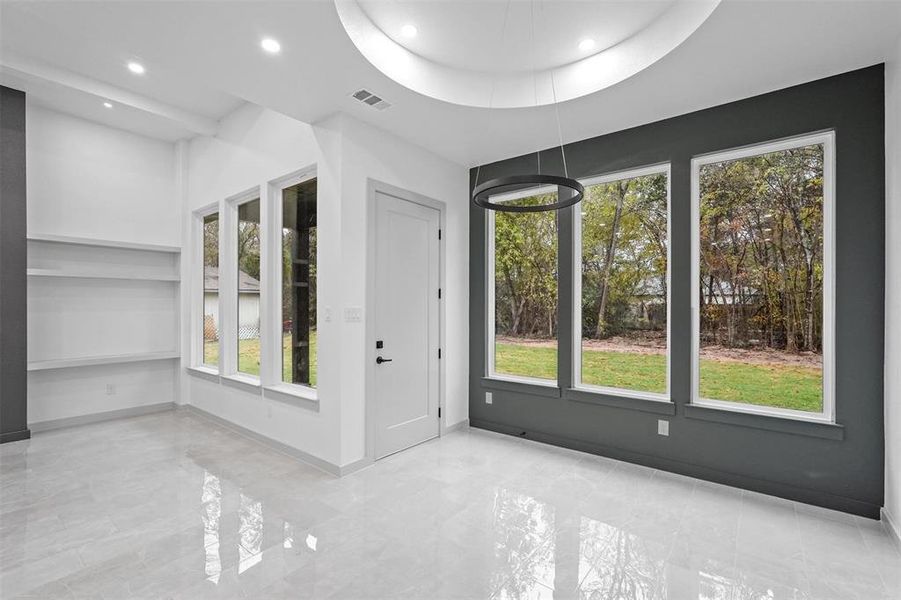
[[95, 302]]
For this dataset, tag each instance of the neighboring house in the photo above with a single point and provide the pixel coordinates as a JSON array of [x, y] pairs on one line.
[[724, 294], [248, 304], [648, 305]]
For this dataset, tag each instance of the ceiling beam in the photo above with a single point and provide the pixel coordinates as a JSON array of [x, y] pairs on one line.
[[30, 69]]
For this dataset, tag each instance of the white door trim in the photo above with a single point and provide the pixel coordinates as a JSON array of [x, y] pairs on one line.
[[372, 187]]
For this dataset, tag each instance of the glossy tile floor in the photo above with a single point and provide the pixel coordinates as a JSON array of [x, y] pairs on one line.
[[173, 506]]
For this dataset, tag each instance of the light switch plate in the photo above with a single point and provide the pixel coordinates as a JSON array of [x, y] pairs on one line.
[[353, 314], [662, 427], [489, 398]]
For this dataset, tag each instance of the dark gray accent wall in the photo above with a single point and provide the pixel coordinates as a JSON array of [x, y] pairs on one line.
[[837, 466], [13, 374]]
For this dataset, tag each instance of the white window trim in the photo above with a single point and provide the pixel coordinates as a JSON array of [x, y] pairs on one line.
[[827, 139], [271, 300], [196, 290], [658, 169], [490, 291], [228, 284]]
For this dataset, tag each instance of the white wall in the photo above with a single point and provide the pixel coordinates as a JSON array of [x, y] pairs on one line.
[[893, 289], [88, 180], [64, 393], [370, 153], [255, 146]]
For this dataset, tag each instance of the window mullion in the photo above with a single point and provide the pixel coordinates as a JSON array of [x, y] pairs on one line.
[[566, 324]]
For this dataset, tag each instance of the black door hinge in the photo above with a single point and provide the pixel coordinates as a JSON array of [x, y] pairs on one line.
[[439, 352], [439, 412], [439, 234], [439, 293]]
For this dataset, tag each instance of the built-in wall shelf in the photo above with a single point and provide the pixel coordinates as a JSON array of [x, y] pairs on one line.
[[86, 274], [101, 302], [65, 363], [82, 241]]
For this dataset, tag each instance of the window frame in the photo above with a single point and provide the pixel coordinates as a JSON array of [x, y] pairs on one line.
[[576, 333], [490, 344], [197, 290], [271, 346], [827, 140], [228, 287]]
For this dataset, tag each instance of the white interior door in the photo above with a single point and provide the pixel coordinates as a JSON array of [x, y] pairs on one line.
[[406, 379]]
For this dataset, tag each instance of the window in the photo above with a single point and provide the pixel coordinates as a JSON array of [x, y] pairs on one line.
[[522, 290], [763, 278], [211, 290], [248, 278], [622, 284], [298, 248]]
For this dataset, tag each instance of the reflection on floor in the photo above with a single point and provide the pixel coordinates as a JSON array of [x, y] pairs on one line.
[[172, 506]]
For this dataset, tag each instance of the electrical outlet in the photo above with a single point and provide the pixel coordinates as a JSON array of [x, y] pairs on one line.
[[110, 389], [328, 314], [662, 427], [489, 398]]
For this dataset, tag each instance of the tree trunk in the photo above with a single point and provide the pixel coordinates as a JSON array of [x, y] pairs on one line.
[[808, 308], [517, 314], [608, 258]]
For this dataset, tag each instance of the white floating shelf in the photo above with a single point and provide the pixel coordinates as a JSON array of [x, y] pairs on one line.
[[95, 275], [63, 363], [67, 239]]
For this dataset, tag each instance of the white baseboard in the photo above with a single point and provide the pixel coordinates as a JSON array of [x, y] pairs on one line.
[[891, 527], [122, 413], [356, 466], [464, 424], [313, 461]]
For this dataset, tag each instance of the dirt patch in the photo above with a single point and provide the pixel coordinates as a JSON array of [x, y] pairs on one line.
[[652, 343]]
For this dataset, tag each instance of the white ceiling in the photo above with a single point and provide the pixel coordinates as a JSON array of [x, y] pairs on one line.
[[89, 106], [522, 54], [203, 58], [497, 37]]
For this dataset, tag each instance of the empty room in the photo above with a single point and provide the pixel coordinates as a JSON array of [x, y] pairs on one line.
[[450, 299]]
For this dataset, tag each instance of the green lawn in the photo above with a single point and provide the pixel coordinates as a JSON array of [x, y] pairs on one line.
[[783, 386], [798, 388], [249, 356]]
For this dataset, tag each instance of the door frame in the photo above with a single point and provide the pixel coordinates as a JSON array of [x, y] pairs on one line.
[[372, 187]]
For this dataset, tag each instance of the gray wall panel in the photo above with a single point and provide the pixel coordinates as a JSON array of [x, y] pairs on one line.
[[841, 469], [13, 250]]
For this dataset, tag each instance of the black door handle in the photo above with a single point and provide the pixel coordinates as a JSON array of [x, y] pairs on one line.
[[381, 360]]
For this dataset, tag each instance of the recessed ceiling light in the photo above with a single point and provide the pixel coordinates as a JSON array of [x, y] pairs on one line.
[[136, 68], [409, 31], [271, 46], [586, 44], [108, 104]]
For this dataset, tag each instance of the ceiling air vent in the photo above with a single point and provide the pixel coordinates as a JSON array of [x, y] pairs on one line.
[[367, 97]]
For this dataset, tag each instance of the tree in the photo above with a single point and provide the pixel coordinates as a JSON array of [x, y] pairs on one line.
[[620, 193], [624, 256], [761, 235], [211, 242], [526, 272]]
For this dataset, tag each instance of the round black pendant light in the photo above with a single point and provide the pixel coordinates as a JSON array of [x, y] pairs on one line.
[[482, 193]]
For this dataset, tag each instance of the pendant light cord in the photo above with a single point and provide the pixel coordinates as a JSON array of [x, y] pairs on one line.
[[557, 115], [534, 88], [494, 84], [534, 76]]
